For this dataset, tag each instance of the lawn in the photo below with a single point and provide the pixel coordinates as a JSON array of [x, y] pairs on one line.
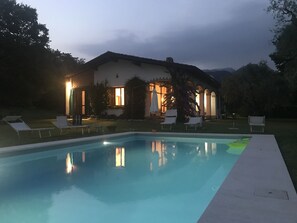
[[285, 131]]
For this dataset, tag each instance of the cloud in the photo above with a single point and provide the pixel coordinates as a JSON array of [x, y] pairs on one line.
[[244, 38]]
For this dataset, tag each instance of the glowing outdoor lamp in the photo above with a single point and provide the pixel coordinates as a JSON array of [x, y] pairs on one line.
[[68, 87], [106, 143]]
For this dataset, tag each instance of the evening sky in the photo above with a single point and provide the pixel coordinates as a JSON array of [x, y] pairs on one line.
[[205, 33]]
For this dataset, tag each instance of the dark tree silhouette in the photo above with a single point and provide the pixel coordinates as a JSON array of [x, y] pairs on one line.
[[285, 41], [98, 97], [181, 93], [254, 89], [31, 74]]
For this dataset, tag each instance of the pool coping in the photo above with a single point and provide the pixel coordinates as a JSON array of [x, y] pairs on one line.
[[9, 149], [257, 189]]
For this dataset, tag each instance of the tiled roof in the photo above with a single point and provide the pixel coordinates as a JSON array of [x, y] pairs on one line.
[[111, 56]]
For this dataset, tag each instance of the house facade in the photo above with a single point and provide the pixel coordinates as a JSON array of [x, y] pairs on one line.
[[117, 69]]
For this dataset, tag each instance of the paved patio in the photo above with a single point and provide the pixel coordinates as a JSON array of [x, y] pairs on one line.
[[258, 188]]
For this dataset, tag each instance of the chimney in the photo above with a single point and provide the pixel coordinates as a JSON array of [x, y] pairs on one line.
[[169, 60]]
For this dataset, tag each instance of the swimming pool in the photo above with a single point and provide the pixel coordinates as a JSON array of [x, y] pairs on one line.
[[136, 178]]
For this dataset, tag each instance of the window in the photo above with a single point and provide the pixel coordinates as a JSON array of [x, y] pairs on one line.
[[119, 96], [83, 102]]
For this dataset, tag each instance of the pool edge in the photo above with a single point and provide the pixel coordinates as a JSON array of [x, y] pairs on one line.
[[257, 189], [17, 148]]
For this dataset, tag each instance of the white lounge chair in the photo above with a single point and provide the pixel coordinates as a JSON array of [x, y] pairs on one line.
[[62, 123], [19, 125], [170, 118], [256, 121], [12, 118], [194, 122]]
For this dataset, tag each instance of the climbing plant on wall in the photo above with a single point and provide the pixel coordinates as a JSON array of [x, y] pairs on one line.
[[135, 95], [98, 97]]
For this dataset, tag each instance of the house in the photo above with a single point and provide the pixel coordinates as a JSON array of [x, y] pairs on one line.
[[117, 69]]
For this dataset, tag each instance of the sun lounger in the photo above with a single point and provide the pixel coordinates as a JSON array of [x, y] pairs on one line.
[[62, 123], [170, 118], [256, 121], [194, 122], [19, 125], [12, 118]]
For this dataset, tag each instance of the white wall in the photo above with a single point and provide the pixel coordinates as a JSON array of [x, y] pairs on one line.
[[117, 73]]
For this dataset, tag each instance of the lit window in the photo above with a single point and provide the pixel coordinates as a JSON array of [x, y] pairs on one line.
[[83, 102], [119, 96]]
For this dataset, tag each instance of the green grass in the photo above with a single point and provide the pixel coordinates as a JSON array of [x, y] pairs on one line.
[[284, 130]]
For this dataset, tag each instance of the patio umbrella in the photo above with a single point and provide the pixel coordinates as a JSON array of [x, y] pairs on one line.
[[154, 103]]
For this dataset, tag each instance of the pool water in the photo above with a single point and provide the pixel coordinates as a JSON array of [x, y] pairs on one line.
[[133, 179]]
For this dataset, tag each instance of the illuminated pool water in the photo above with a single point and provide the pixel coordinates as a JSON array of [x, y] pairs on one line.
[[140, 178]]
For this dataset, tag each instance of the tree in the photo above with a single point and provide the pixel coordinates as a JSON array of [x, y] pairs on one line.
[[285, 56], [31, 74], [232, 93], [19, 25], [284, 11], [285, 40], [23, 44], [56, 66], [98, 97], [254, 89], [181, 93]]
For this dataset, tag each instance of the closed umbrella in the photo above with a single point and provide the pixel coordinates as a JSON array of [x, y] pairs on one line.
[[154, 103]]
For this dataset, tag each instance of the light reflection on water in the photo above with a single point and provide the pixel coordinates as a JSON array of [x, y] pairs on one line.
[[141, 180]]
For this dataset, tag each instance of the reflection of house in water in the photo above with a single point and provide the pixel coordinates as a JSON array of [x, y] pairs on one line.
[[207, 149], [80, 157], [161, 153], [69, 163], [160, 148], [120, 157], [83, 157], [102, 169]]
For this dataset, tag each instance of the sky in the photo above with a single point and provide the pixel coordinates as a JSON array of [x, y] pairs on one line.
[[205, 33]]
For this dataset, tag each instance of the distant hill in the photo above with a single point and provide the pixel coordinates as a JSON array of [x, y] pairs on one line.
[[220, 74]]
